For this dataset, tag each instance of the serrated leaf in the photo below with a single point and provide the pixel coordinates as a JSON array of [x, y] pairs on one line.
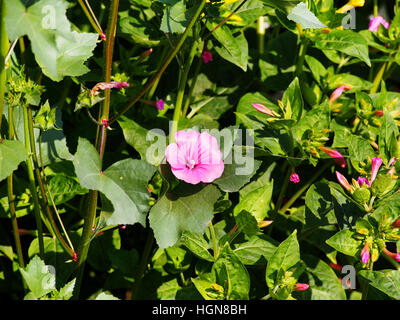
[[59, 51], [302, 15]]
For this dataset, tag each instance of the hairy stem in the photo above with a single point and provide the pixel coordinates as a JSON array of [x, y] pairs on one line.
[[32, 184], [191, 88], [90, 15], [3, 53], [84, 244]]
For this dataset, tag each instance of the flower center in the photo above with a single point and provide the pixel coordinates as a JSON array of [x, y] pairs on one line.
[[191, 164]]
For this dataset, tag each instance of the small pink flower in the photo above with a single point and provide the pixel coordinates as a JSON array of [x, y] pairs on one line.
[[362, 180], [339, 159], [375, 22], [294, 177], [160, 104], [206, 56], [195, 157], [397, 257], [108, 85], [343, 181], [338, 92], [301, 287], [264, 109], [103, 36], [365, 254], [123, 227], [376, 164], [75, 256]]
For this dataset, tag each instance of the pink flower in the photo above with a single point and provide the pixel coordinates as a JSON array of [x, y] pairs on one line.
[[103, 36], [343, 181], [365, 254], [395, 256], [294, 177], [338, 92], [339, 159], [362, 180], [75, 256], [264, 109], [160, 104], [301, 287], [108, 85], [376, 164], [375, 22], [206, 56], [195, 157]]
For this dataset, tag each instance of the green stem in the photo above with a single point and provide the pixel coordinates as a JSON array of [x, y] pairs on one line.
[[32, 183], [84, 244], [378, 78], [302, 52], [92, 18], [214, 240], [143, 264], [181, 91], [153, 88], [11, 198], [3, 53], [165, 64], [375, 8], [303, 188], [192, 86]]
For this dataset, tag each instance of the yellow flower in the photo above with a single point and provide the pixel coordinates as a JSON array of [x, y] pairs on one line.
[[350, 5]]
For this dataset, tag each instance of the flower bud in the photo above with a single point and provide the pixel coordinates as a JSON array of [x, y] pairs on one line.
[[301, 287], [376, 164], [294, 177], [264, 109], [344, 183], [339, 159], [365, 254]]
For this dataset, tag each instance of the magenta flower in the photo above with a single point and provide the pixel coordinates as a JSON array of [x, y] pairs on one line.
[[301, 287], [365, 254], [339, 159], [395, 256], [362, 180], [206, 56], [294, 177], [160, 104], [195, 157], [264, 109], [343, 181], [376, 164], [338, 92], [375, 22]]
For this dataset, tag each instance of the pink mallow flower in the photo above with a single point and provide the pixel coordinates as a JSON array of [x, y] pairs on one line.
[[338, 92], [376, 164], [263, 109], [294, 177], [160, 104], [301, 287], [362, 180], [339, 159], [195, 157], [206, 56], [365, 254], [375, 22]]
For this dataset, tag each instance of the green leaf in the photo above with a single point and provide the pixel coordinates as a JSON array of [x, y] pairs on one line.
[[232, 275], [149, 143], [348, 42], [238, 169], [59, 51], [233, 48], [65, 293], [286, 256], [45, 118], [246, 223], [64, 188], [388, 134], [344, 242], [196, 243], [284, 5], [106, 296], [174, 212], [124, 183], [256, 202], [293, 100], [257, 250], [12, 153], [175, 18], [387, 281], [302, 15], [317, 69], [38, 277], [323, 281]]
